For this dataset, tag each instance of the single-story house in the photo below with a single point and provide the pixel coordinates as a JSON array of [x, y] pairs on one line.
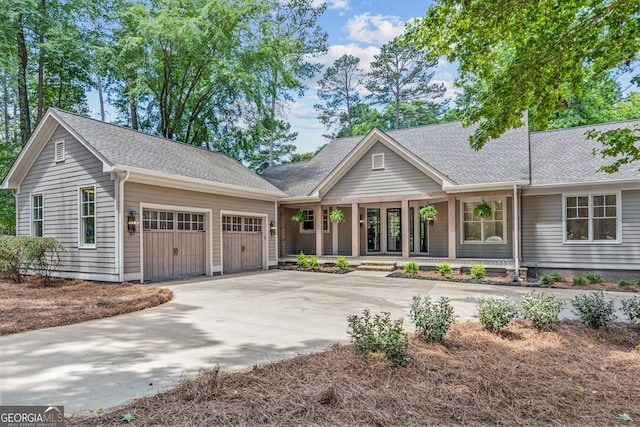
[[131, 206]]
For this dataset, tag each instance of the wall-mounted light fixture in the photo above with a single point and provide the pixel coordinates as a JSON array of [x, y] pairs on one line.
[[131, 222], [272, 228], [361, 221], [431, 221]]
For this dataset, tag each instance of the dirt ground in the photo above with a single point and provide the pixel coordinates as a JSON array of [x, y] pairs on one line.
[[570, 375], [29, 306]]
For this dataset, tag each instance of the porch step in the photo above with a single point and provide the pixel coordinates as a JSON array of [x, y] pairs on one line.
[[377, 266]]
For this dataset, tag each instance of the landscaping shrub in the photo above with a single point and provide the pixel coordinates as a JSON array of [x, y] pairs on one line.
[[12, 262], [552, 277], [342, 263], [42, 256], [541, 310], [496, 313], [411, 267], [303, 261], [379, 338], [314, 263], [477, 271], [623, 282], [594, 277], [432, 319], [444, 270], [580, 281], [631, 307], [593, 308]]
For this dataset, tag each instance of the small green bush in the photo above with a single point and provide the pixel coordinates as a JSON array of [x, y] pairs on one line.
[[594, 277], [552, 277], [631, 307], [432, 319], [477, 271], [444, 270], [593, 308], [39, 255], [303, 261], [379, 338], [623, 282], [342, 263], [541, 310], [12, 261], [580, 281], [496, 313], [314, 263], [411, 267]]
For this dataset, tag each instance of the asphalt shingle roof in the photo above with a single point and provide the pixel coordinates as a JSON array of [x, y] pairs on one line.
[[444, 147], [127, 147], [565, 156]]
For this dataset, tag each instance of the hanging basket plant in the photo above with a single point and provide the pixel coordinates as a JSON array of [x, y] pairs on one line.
[[336, 216], [428, 212], [483, 210], [298, 217]]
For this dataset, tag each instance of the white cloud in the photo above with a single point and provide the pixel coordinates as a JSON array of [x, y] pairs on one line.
[[375, 29], [366, 54], [333, 4], [300, 111]]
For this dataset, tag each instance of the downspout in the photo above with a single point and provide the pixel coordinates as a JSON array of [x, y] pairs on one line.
[[516, 235], [276, 235], [14, 193], [119, 221]]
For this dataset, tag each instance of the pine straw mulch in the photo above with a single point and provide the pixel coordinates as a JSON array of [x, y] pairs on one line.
[[568, 376], [30, 305]]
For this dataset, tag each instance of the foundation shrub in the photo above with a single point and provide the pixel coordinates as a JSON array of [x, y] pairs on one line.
[[12, 261], [432, 319], [379, 338], [594, 277], [580, 281], [411, 267], [342, 263], [303, 261], [496, 313], [540, 309], [477, 271], [623, 282], [40, 255], [314, 264], [444, 270], [631, 308], [593, 308], [552, 277]]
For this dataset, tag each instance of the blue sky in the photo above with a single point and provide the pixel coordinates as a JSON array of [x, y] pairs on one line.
[[358, 28]]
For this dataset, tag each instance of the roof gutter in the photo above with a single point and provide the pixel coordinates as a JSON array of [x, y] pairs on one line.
[[486, 187]]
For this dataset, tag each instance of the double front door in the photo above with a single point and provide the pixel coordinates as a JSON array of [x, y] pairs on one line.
[[384, 231]]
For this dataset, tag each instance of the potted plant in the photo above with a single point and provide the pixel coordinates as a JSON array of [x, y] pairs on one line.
[[298, 216], [336, 216], [428, 213], [482, 210]]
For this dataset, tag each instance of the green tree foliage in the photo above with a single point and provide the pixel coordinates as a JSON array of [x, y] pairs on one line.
[[528, 55], [339, 89], [399, 74]]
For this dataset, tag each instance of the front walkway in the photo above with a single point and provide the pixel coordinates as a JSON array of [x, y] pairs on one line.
[[231, 321]]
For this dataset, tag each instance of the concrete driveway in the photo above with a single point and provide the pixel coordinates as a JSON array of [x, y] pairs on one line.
[[232, 322]]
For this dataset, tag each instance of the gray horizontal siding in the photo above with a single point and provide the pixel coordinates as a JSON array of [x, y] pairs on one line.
[[135, 193], [438, 233], [488, 250], [542, 234], [59, 183], [398, 177]]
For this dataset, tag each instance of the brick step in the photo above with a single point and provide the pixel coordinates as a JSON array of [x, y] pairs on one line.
[[377, 266]]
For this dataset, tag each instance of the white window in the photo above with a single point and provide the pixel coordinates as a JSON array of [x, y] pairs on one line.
[[309, 223], [59, 151], [37, 218], [88, 217], [492, 229], [325, 220], [591, 218], [377, 161]]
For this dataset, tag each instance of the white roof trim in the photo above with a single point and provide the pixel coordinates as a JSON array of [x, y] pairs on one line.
[[484, 186], [359, 151]]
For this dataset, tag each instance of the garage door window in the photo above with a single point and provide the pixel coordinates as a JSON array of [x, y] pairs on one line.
[[253, 224], [154, 220], [231, 223], [192, 222]]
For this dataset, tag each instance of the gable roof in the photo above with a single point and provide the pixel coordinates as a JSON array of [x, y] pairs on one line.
[[565, 156], [121, 148], [443, 148]]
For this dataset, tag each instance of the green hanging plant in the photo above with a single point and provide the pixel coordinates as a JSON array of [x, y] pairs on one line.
[[483, 210], [428, 212], [298, 216], [336, 216]]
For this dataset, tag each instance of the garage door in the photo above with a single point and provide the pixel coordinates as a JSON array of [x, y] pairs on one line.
[[242, 243], [174, 244]]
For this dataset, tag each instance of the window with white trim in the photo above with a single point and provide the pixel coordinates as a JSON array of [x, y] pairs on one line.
[[157, 220], [253, 224], [59, 151], [37, 217], [190, 221], [325, 220], [231, 223], [87, 217], [591, 218], [377, 161], [492, 229]]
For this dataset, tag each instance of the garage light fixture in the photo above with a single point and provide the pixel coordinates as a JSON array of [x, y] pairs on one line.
[[131, 222], [272, 228]]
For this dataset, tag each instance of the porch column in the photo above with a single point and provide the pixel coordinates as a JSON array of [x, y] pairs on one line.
[[355, 227], [452, 227], [281, 231], [334, 234], [319, 231], [404, 228]]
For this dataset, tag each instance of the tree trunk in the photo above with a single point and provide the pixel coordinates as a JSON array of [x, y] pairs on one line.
[[40, 107], [100, 95], [23, 96], [132, 107], [5, 105]]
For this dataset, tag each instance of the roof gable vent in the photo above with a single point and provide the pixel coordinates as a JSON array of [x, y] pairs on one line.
[[59, 151]]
